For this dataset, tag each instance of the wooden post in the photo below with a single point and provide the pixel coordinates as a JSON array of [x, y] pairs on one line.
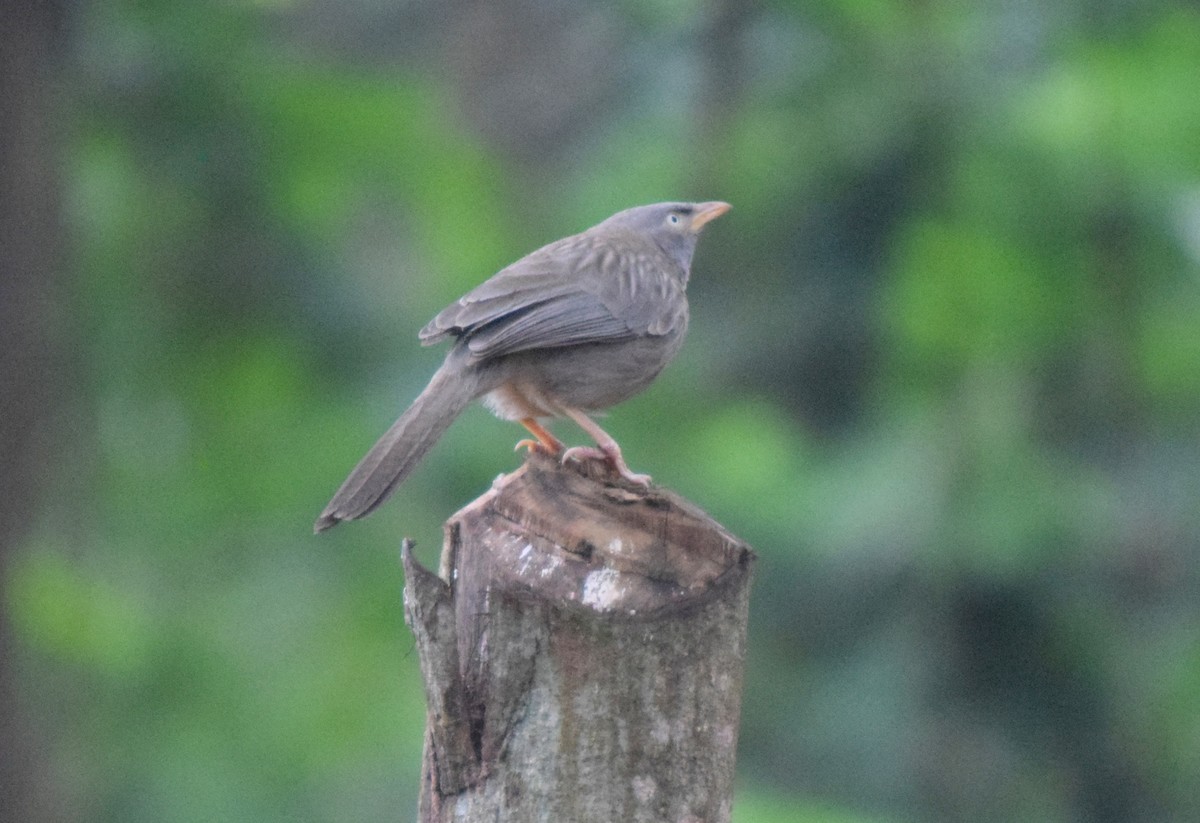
[[582, 652]]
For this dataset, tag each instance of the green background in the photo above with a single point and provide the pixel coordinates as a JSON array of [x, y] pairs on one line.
[[943, 374]]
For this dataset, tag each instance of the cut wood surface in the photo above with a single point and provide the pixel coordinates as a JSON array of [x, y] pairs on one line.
[[582, 650]]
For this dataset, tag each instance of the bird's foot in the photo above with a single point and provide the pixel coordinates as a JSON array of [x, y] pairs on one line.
[[537, 446], [581, 453], [545, 442], [612, 456]]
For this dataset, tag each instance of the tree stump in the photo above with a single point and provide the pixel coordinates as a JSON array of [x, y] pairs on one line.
[[582, 652]]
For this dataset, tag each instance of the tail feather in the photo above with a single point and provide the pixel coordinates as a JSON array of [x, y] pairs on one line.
[[404, 445]]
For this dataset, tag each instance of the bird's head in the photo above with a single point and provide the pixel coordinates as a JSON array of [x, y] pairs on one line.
[[674, 227]]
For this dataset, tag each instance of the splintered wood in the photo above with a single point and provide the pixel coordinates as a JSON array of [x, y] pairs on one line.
[[564, 534]]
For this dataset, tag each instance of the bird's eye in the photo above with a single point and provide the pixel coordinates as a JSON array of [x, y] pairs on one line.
[[674, 218]]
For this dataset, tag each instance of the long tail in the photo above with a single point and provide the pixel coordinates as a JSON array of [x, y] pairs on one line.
[[404, 445]]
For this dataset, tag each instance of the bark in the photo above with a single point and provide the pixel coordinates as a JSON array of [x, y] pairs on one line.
[[582, 651]]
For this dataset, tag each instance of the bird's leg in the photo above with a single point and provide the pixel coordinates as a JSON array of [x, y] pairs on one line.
[[546, 442], [608, 449]]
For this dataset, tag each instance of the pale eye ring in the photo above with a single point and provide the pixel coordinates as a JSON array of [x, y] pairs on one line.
[[674, 218]]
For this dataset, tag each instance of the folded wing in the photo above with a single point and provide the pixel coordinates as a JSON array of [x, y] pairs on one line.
[[579, 290]]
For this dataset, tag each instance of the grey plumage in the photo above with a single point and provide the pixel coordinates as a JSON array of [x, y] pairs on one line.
[[578, 325], [405, 444]]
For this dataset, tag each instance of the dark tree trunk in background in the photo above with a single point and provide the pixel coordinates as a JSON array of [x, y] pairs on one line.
[[31, 35], [582, 651]]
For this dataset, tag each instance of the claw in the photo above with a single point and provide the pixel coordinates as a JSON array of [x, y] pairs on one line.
[[581, 453], [610, 456]]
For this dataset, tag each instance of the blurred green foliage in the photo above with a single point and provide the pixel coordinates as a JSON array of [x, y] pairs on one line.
[[944, 375]]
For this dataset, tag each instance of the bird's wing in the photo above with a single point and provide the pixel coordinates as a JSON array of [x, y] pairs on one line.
[[569, 293]]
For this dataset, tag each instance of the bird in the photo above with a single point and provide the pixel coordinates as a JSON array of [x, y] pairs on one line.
[[571, 329]]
